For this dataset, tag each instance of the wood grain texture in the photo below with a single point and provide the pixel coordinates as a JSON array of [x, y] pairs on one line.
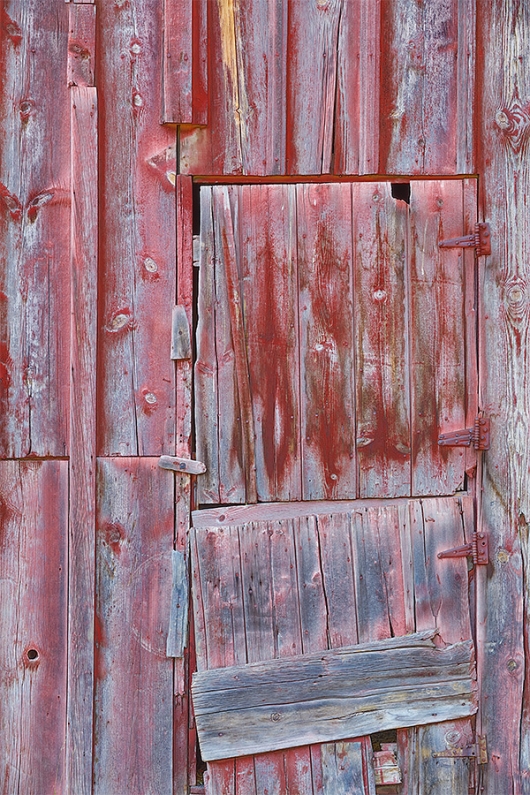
[[438, 336], [504, 91], [134, 686], [234, 299], [136, 379], [81, 45], [206, 363], [34, 229], [83, 345], [177, 61], [325, 297], [267, 247], [333, 325], [382, 342], [424, 68], [322, 579], [379, 89], [356, 145], [33, 625], [332, 695]]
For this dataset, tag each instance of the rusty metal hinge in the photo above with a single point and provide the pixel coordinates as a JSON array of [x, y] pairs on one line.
[[480, 240], [478, 436], [477, 549], [477, 750]]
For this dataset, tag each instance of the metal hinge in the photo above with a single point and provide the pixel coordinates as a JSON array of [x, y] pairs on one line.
[[477, 549], [480, 241], [478, 436], [477, 750]]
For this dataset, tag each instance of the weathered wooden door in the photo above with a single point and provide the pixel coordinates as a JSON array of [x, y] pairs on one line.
[[336, 342]]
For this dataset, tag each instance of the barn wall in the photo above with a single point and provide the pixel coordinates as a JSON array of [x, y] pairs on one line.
[[88, 279]]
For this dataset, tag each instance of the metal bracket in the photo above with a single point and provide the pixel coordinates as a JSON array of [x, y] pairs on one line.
[[480, 241], [476, 751], [478, 436], [477, 549]]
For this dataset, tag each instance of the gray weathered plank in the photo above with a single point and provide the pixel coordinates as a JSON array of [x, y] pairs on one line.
[[332, 695], [178, 616]]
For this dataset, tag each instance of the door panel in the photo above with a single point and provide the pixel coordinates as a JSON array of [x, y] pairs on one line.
[[333, 341], [274, 588]]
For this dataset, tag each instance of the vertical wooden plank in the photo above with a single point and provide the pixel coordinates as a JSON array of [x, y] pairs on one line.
[[419, 101], [267, 248], [381, 334], [441, 594], [326, 334], [81, 572], [205, 373], [136, 376], [182, 485], [466, 107], [503, 125], [438, 336], [246, 134], [177, 61], [339, 585], [258, 589], [34, 229], [311, 91], [81, 45], [217, 595], [231, 268], [134, 687], [356, 149], [232, 425], [342, 763], [298, 767], [33, 625]]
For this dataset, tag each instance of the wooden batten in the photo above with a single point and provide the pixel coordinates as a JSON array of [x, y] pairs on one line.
[[84, 275], [332, 695]]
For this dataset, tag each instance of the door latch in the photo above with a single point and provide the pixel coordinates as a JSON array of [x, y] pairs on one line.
[[477, 750], [480, 240], [478, 436], [477, 549]]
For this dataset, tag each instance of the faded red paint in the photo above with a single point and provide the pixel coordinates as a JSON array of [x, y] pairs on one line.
[[328, 356], [113, 535]]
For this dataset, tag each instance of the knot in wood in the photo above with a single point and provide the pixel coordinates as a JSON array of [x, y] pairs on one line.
[[514, 123]]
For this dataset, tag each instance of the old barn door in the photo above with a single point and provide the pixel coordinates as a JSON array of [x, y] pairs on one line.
[[336, 342]]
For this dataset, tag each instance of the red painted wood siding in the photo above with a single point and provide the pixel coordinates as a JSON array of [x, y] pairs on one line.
[[343, 343], [332, 87]]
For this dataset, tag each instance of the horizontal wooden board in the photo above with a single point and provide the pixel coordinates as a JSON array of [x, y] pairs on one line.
[[328, 696]]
